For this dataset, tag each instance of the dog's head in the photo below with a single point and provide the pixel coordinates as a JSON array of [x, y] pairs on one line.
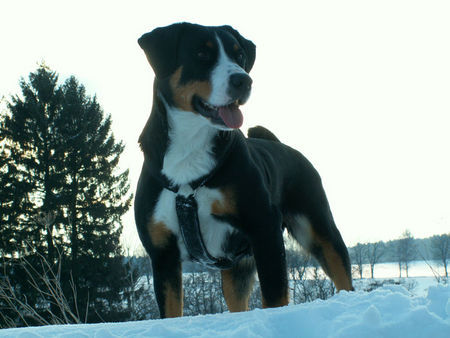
[[201, 69]]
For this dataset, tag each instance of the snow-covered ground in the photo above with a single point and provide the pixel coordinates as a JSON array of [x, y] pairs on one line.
[[390, 311]]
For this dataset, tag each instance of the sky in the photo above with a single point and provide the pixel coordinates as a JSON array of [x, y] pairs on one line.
[[361, 88]]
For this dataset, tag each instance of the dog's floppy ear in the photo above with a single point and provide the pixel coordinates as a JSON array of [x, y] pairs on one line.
[[160, 47], [248, 46]]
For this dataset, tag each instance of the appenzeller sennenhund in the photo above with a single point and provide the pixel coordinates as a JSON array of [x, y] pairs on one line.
[[209, 194]]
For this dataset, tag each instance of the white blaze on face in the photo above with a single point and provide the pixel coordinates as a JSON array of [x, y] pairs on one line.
[[220, 77]]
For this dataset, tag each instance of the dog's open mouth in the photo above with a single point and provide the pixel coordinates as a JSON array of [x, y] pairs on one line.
[[229, 115]]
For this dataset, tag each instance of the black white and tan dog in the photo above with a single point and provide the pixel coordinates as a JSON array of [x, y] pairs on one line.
[[209, 194]]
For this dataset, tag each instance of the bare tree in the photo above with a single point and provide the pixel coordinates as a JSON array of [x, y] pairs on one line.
[[202, 293], [255, 298], [140, 301], [52, 306], [374, 252], [306, 279], [357, 257], [297, 263], [440, 246], [322, 286], [406, 251]]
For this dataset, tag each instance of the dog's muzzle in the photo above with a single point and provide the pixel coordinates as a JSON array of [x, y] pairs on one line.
[[239, 87]]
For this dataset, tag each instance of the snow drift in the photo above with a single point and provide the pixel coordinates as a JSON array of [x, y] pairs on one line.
[[390, 311]]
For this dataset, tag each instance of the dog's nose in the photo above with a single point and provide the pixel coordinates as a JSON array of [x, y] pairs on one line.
[[240, 85], [241, 81]]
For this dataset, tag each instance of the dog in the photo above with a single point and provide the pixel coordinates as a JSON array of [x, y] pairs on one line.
[[207, 193]]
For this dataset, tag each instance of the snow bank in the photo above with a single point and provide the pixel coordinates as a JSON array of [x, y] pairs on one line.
[[390, 311]]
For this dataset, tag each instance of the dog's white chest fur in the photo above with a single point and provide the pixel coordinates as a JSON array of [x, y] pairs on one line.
[[189, 157], [189, 152]]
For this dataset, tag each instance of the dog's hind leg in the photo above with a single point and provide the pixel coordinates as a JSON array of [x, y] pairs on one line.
[[237, 284], [318, 235]]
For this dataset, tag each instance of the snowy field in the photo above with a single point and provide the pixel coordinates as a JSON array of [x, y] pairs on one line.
[[390, 311]]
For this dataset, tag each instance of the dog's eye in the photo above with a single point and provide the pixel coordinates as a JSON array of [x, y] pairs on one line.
[[203, 55], [240, 59]]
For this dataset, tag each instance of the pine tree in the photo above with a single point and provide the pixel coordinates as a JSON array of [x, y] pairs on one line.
[[28, 175], [62, 198], [94, 198]]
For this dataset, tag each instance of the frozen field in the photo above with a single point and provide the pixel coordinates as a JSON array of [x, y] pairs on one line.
[[416, 269]]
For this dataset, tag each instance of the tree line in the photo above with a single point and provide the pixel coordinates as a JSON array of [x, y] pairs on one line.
[[402, 251]]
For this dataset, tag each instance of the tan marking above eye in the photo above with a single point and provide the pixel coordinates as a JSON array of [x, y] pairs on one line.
[[182, 94], [236, 47], [209, 44]]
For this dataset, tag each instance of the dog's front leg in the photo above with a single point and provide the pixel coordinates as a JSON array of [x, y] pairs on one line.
[[268, 249], [167, 278]]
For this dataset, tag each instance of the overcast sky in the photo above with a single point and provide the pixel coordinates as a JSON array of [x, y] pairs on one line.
[[362, 88]]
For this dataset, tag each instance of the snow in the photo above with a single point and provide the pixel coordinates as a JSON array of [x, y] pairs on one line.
[[390, 311]]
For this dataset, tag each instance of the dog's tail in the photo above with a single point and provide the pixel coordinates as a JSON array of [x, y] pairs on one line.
[[261, 132]]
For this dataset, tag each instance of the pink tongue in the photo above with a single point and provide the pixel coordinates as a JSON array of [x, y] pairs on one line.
[[232, 116]]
